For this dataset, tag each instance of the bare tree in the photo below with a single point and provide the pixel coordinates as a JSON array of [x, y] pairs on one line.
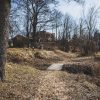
[[4, 30], [89, 45], [56, 21], [67, 28], [91, 21], [37, 15]]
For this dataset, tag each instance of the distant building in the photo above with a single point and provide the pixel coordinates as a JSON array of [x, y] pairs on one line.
[[18, 41], [44, 40], [44, 36]]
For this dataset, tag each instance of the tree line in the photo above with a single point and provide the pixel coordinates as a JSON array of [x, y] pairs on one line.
[[40, 15]]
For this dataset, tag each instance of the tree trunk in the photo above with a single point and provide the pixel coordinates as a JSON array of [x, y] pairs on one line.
[[34, 25], [4, 30], [34, 35]]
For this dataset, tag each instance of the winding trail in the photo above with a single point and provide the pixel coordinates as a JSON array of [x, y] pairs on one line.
[[51, 87]]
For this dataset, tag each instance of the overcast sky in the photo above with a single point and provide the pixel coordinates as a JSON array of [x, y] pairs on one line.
[[75, 9]]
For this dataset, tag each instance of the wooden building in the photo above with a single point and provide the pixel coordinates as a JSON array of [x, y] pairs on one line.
[[18, 41], [44, 40]]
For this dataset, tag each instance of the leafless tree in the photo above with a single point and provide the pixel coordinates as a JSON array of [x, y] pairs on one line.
[[67, 28], [39, 10], [56, 22], [91, 21]]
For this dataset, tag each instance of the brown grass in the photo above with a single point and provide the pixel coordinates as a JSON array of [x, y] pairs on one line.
[[25, 82], [20, 55], [97, 69], [19, 81]]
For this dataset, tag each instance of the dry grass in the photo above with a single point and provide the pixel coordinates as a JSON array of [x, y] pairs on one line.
[[16, 55], [20, 80], [18, 72], [97, 69], [64, 54], [25, 82], [98, 53], [45, 54]]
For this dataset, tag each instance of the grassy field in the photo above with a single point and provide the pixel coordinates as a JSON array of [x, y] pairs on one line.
[[28, 79]]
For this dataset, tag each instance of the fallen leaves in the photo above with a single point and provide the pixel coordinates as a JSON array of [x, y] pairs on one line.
[[25, 82]]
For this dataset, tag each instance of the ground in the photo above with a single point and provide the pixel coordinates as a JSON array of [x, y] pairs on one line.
[[27, 77]]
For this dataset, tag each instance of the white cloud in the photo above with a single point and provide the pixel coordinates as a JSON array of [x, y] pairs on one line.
[[72, 8], [75, 9]]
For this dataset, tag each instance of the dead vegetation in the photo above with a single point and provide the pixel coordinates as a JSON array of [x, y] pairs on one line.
[[97, 69], [16, 55], [79, 68], [79, 80]]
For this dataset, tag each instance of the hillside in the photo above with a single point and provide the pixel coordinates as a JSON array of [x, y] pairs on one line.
[[27, 77]]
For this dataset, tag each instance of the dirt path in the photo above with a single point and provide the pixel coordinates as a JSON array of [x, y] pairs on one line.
[[57, 85], [50, 87]]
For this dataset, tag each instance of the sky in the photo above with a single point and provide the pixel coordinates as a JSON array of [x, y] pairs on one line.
[[75, 9]]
